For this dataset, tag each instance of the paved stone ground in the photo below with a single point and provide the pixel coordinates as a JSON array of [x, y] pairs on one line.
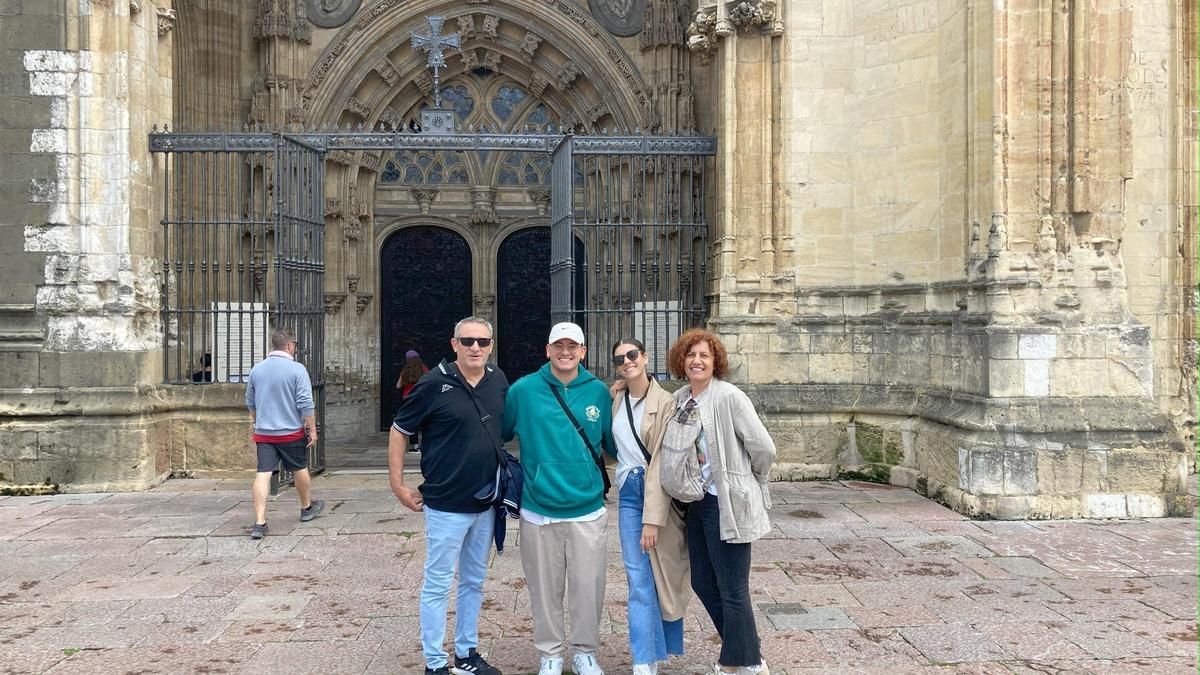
[[855, 578]]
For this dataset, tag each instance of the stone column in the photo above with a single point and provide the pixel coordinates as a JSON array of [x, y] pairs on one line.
[[738, 42], [85, 262]]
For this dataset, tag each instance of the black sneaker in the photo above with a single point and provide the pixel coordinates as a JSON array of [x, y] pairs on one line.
[[473, 664], [315, 507], [444, 670], [258, 531]]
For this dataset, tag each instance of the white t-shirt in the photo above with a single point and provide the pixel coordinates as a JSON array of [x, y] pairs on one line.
[[629, 455]]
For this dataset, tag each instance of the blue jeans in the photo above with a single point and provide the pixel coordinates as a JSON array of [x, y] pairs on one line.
[[721, 579], [462, 540], [650, 638]]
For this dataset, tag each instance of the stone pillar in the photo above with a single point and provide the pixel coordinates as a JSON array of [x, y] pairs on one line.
[[82, 329], [739, 43]]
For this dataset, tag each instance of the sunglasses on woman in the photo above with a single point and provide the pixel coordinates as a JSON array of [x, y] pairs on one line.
[[470, 341], [632, 355]]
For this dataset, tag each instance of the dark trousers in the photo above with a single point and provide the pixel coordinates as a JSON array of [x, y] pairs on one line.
[[721, 579]]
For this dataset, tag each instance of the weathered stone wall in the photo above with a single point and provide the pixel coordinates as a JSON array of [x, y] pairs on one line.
[[941, 267], [84, 81]]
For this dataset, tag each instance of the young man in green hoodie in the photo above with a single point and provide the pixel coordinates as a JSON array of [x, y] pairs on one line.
[[564, 542]]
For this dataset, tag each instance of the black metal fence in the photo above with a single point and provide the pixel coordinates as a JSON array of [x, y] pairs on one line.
[[637, 204], [243, 253]]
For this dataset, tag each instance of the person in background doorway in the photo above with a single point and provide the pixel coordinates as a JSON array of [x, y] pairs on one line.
[[205, 373], [412, 371]]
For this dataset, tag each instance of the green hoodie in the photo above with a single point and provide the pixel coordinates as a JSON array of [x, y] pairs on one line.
[[561, 478]]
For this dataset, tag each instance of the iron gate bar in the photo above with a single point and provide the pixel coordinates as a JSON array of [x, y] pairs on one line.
[[350, 141]]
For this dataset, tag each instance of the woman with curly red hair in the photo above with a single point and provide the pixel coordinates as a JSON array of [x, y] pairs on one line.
[[722, 460]]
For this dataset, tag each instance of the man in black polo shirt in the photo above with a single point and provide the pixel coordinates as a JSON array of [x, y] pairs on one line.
[[456, 407]]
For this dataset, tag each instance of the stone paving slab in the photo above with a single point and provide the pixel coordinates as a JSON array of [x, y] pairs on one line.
[[854, 577]]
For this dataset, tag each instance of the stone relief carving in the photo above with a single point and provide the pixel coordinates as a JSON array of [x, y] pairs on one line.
[[331, 13], [361, 301], [704, 32], [358, 107], [424, 197], [388, 72], [352, 282], [665, 25], [391, 118], [622, 18], [567, 74], [483, 200], [491, 24], [750, 14], [537, 84], [491, 60], [166, 20], [530, 44], [424, 82], [540, 198], [470, 59], [466, 27], [333, 302]]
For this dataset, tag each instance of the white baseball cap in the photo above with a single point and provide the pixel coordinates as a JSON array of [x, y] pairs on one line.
[[566, 330]]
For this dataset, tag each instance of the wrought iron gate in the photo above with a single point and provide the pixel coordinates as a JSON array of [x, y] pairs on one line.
[[243, 241], [243, 252], [637, 204]]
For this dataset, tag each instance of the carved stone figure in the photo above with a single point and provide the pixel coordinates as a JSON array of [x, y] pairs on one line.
[[331, 13], [622, 18]]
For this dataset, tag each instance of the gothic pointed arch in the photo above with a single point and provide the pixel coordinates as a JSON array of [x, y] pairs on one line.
[[554, 48]]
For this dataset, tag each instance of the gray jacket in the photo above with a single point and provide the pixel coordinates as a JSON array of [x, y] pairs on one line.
[[740, 452]]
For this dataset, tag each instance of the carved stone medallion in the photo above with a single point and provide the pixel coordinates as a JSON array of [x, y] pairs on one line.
[[331, 13], [620, 17]]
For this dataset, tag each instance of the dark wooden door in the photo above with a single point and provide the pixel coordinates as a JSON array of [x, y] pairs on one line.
[[425, 288], [523, 299]]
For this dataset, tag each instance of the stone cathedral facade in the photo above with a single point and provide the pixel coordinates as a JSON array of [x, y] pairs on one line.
[[951, 243]]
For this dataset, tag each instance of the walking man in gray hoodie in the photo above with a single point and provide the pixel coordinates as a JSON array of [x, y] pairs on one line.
[[280, 400]]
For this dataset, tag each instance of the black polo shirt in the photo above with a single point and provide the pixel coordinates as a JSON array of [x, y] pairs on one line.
[[458, 454]]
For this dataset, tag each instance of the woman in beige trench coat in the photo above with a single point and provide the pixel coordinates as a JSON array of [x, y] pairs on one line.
[[653, 546]]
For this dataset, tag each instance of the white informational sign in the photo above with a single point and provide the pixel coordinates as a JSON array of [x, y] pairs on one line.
[[240, 335], [656, 324]]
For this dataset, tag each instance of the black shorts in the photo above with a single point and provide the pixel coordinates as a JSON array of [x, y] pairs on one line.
[[293, 454]]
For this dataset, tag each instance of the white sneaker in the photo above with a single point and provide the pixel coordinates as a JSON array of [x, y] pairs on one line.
[[551, 666], [585, 664], [646, 669], [760, 669]]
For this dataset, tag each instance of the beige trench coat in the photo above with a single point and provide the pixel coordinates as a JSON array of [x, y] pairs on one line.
[[669, 558], [740, 452]]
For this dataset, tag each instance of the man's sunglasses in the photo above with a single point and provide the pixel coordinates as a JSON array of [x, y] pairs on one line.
[[632, 355], [470, 342]]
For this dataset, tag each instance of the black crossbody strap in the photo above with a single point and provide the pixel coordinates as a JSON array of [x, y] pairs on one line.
[[574, 422], [636, 437], [483, 418]]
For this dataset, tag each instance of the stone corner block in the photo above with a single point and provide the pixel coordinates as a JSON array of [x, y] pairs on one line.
[[1040, 346]]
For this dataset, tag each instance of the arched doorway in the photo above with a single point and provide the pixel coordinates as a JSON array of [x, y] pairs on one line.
[[523, 299], [425, 287]]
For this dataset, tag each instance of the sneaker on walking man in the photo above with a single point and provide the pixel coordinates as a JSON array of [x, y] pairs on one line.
[[279, 396], [563, 520], [456, 407]]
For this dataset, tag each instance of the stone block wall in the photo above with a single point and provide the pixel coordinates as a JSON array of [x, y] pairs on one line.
[[79, 324], [976, 259]]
